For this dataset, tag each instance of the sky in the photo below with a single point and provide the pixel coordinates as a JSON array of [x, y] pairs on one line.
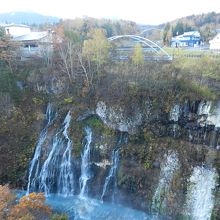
[[141, 11]]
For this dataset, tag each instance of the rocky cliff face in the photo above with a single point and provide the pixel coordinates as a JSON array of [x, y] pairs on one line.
[[197, 122], [145, 158], [190, 130]]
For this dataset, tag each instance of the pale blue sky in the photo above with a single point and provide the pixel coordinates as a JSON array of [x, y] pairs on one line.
[[141, 11]]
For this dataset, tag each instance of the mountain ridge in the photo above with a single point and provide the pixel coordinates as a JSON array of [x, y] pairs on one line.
[[28, 18]]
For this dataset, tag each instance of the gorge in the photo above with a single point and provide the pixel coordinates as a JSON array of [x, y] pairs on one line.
[[94, 137], [103, 172]]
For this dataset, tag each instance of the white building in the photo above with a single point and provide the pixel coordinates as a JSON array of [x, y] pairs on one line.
[[215, 43], [32, 44], [35, 44], [187, 39], [15, 30]]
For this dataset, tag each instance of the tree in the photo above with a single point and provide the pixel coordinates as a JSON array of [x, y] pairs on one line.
[[96, 48], [30, 207], [167, 35], [138, 56], [66, 44], [207, 32], [8, 51], [96, 53], [178, 29]]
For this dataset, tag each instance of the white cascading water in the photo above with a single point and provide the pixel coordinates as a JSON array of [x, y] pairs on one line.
[[175, 113], [200, 197], [85, 164], [35, 162], [112, 175], [204, 108], [56, 174], [214, 116], [66, 178], [212, 113], [174, 117], [168, 168]]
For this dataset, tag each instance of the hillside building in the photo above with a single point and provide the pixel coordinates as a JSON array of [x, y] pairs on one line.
[[33, 44], [188, 39]]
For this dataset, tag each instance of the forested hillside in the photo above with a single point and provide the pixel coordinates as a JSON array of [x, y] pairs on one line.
[[207, 24]]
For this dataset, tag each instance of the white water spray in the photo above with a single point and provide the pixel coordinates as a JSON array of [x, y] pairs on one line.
[[168, 168], [200, 197], [85, 164], [35, 162]]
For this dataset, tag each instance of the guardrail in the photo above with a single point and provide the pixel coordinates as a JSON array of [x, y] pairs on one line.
[[196, 56]]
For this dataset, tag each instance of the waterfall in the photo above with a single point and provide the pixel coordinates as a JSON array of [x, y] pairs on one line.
[[200, 198], [56, 174], [66, 178], [204, 108], [175, 113], [111, 179], [214, 116], [35, 162], [168, 168], [211, 112], [85, 164], [112, 173]]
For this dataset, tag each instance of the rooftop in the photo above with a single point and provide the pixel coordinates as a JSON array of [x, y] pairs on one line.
[[31, 36], [14, 25], [191, 33]]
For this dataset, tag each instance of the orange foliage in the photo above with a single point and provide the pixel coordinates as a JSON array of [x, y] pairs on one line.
[[30, 207], [34, 201]]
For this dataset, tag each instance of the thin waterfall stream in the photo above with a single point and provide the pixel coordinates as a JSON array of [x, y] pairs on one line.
[[200, 197], [85, 164], [168, 168], [111, 178], [35, 162]]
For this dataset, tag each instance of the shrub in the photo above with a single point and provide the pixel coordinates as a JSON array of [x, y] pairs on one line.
[[59, 217], [30, 207]]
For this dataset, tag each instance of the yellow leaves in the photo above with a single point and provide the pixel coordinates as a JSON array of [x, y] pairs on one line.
[[97, 48], [138, 56], [33, 201], [30, 207]]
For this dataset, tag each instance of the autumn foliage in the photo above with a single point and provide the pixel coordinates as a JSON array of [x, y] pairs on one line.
[[30, 207]]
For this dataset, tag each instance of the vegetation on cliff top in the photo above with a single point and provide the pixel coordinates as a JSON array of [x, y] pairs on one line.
[[206, 24]]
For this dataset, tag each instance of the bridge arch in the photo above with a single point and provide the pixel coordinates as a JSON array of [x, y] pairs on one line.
[[150, 29], [160, 53]]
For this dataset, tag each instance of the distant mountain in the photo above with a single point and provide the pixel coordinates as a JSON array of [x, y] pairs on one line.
[[29, 18]]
